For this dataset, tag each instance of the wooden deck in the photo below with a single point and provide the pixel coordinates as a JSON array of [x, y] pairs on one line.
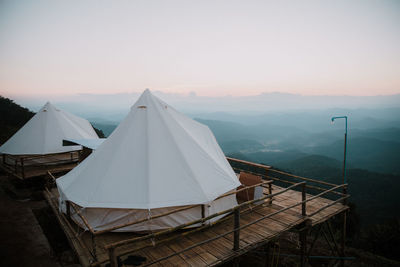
[[196, 249], [25, 167]]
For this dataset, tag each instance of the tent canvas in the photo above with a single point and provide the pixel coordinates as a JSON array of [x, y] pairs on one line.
[[93, 143], [44, 132], [155, 160]]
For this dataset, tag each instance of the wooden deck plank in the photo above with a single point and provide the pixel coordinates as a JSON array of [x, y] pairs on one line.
[[162, 251], [190, 256], [218, 248]]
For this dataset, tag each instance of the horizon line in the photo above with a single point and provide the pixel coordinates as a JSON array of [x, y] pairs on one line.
[[190, 94]]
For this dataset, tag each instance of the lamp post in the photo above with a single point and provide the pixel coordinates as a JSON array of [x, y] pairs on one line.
[[345, 147], [343, 241]]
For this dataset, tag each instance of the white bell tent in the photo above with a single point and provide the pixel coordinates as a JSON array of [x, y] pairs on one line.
[[44, 133], [156, 160]]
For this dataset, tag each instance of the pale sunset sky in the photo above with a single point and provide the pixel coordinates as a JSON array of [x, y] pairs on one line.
[[212, 48]]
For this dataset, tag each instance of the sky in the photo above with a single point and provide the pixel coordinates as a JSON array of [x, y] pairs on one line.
[[204, 48]]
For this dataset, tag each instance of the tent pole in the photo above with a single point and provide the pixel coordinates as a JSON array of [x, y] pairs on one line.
[[203, 213]]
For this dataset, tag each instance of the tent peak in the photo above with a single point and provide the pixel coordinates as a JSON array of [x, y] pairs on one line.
[[49, 105]]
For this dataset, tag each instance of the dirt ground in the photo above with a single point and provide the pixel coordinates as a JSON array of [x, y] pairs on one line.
[[23, 216]]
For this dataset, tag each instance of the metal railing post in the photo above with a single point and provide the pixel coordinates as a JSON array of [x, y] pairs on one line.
[[22, 168], [68, 206], [270, 192], [16, 165], [303, 199]]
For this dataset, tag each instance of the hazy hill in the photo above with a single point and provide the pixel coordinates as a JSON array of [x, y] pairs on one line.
[[266, 105], [366, 153], [225, 131], [242, 146], [310, 164], [313, 120], [374, 149], [105, 127], [13, 117]]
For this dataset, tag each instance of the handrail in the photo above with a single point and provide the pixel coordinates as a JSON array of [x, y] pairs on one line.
[[223, 234], [269, 168], [111, 247], [249, 163], [175, 210], [32, 158], [248, 204], [327, 191], [82, 217], [193, 230], [152, 235], [244, 226], [286, 181], [303, 178], [329, 205], [145, 219]]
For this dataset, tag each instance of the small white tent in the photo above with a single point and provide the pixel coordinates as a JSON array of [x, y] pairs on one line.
[[157, 159], [44, 133]]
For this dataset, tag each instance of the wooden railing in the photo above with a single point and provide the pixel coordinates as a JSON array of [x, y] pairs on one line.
[[269, 173], [324, 188], [18, 164], [236, 211]]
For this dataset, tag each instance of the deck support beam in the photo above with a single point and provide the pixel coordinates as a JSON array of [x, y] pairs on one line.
[[314, 240], [303, 245], [113, 257], [333, 251], [333, 237], [343, 241], [304, 228], [266, 252]]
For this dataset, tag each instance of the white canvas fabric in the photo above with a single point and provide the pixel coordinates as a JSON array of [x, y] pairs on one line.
[[43, 134], [102, 219], [93, 143], [156, 158]]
